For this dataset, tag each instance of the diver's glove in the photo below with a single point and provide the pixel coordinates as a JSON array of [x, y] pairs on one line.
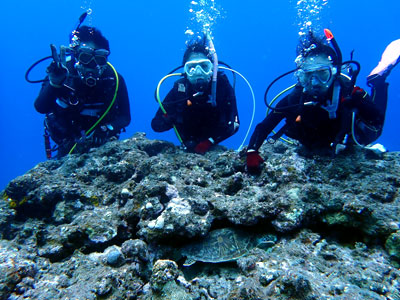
[[57, 71], [57, 74], [102, 134], [204, 146], [356, 98], [390, 58], [253, 161], [337, 148]]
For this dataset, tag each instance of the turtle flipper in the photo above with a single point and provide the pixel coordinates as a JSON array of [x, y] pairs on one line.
[[188, 262]]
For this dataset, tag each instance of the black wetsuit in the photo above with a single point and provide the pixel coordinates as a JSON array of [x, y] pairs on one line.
[[194, 117], [311, 124], [70, 112]]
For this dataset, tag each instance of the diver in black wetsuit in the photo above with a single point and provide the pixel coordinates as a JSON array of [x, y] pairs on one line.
[[199, 122], [325, 106], [85, 100]]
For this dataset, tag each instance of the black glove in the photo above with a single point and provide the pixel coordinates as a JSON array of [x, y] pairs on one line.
[[376, 80], [57, 71], [57, 74], [101, 135]]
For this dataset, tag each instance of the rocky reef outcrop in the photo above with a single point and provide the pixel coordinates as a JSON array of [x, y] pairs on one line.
[[112, 223]]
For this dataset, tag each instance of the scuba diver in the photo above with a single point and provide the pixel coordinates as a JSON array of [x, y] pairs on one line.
[[202, 112], [325, 110], [85, 100]]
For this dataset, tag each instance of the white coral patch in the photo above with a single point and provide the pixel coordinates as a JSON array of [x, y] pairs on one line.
[[179, 206]]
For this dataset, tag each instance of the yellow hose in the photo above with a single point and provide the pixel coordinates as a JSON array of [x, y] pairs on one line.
[[161, 105], [107, 110], [272, 102]]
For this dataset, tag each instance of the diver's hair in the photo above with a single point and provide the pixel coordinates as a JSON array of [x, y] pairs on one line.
[[311, 45], [92, 34], [197, 45]]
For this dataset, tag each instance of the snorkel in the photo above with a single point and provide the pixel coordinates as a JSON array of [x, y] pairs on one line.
[[74, 39], [340, 63], [332, 105], [330, 38], [213, 53]]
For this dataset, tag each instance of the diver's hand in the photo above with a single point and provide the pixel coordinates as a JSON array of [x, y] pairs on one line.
[[57, 71], [390, 58], [337, 148], [57, 74], [101, 135], [356, 98], [253, 161]]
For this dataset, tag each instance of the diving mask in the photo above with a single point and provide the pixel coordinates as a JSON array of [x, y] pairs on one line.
[[199, 73], [86, 55], [198, 67], [322, 73], [91, 64]]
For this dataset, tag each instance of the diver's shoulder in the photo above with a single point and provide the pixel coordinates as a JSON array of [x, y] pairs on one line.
[[178, 83], [222, 75]]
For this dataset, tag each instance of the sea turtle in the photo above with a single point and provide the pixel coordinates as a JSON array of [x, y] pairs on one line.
[[222, 245]]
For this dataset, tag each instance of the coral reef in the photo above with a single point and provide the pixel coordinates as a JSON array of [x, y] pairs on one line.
[[112, 223]]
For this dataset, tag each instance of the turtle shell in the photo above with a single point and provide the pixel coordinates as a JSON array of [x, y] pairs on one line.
[[220, 245]]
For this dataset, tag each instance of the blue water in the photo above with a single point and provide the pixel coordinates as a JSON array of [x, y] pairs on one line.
[[147, 40]]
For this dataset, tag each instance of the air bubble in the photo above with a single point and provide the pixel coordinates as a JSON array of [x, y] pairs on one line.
[[309, 14], [203, 16]]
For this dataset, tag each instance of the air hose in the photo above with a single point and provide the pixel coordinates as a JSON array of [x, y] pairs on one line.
[[272, 102], [213, 52], [161, 105], [220, 67], [254, 104], [108, 108]]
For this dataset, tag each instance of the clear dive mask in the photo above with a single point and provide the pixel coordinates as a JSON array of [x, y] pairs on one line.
[[198, 67], [322, 73], [199, 73]]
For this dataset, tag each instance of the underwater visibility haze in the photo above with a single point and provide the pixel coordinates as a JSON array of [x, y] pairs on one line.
[[147, 40]]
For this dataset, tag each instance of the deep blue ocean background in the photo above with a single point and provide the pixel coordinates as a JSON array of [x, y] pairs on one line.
[[147, 38]]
